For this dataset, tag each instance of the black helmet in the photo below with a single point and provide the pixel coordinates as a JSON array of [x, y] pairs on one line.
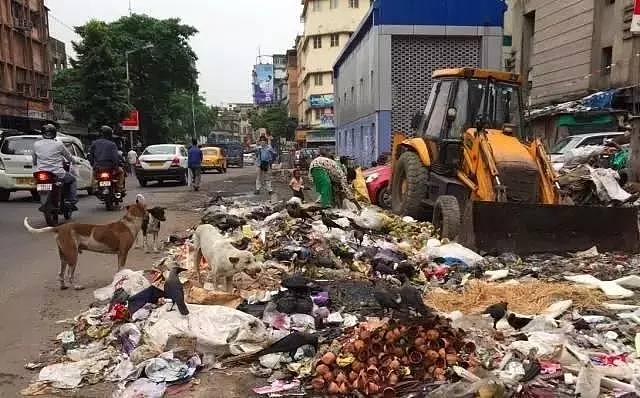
[[49, 131], [106, 131]]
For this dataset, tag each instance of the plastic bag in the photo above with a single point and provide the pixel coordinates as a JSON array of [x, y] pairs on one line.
[[435, 249], [142, 388], [130, 281]]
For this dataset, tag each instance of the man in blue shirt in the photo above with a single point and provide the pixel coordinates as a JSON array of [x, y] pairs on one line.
[[195, 164], [264, 157]]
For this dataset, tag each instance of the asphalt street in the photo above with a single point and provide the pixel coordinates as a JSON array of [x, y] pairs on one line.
[[31, 302]]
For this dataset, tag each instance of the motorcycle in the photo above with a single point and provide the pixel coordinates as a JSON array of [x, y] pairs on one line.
[[52, 192], [108, 190]]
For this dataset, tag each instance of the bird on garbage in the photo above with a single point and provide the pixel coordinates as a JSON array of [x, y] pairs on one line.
[[328, 222], [388, 298], [517, 322], [288, 344], [497, 311], [295, 209], [174, 290], [404, 268], [358, 236], [412, 298]]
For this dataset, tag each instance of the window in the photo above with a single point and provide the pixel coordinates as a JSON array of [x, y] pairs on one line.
[[353, 95], [354, 4], [79, 151], [436, 120], [315, 5], [507, 41], [317, 41], [333, 3], [318, 114], [592, 141], [607, 60], [317, 79], [335, 39]]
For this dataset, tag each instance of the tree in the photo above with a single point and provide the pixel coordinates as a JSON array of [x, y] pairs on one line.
[[180, 121], [99, 78], [161, 74], [276, 120], [66, 88]]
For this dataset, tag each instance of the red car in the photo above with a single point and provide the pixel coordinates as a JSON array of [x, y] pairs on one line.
[[379, 185]]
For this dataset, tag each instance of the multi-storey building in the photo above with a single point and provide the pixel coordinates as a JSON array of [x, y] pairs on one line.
[[291, 98], [328, 24], [25, 75]]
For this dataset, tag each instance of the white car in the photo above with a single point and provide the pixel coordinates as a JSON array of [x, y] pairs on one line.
[[562, 147], [163, 162], [16, 164], [250, 159]]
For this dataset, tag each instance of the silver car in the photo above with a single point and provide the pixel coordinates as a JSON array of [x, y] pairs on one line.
[[562, 147]]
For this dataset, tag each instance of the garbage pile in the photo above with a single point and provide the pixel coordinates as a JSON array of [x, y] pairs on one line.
[[367, 304]]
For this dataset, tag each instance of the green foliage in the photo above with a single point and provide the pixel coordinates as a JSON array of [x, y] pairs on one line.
[[100, 79], [180, 124], [66, 88], [276, 120]]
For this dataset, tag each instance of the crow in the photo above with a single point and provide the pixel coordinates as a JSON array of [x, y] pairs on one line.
[[173, 289], [497, 312], [404, 268], [517, 322], [328, 222], [412, 298], [358, 236], [388, 298], [288, 344]]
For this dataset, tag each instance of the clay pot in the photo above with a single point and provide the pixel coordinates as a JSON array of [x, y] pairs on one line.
[[393, 378], [349, 348], [452, 359], [359, 345], [397, 333], [395, 364], [402, 329], [318, 383], [439, 374], [328, 358], [423, 348], [443, 343], [353, 376], [328, 377], [372, 361], [440, 363], [390, 337], [432, 335], [375, 349], [415, 357], [469, 347], [389, 392], [372, 371], [419, 341], [341, 378], [357, 366], [363, 356], [405, 360], [431, 356], [397, 351], [322, 369], [372, 389], [442, 353], [365, 334], [333, 389], [385, 362], [343, 389]]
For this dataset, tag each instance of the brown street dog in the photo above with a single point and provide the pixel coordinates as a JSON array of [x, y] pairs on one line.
[[115, 238]]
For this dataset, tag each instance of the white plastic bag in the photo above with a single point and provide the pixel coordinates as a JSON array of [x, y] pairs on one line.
[[142, 388], [131, 281], [453, 250]]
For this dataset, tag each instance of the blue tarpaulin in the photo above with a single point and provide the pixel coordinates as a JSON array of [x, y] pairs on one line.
[[600, 100]]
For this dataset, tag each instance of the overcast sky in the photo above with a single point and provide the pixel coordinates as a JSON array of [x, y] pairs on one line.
[[231, 32]]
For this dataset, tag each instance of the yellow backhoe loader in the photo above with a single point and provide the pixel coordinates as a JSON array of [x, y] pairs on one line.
[[471, 169]]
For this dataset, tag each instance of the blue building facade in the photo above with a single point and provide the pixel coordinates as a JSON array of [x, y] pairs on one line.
[[383, 75]]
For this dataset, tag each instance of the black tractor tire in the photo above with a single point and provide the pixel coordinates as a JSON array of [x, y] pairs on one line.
[[4, 195], [143, 183], [384, 198], [409, 187], [446, 216]]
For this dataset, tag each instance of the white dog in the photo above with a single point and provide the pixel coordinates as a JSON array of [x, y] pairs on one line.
[[223, 258]]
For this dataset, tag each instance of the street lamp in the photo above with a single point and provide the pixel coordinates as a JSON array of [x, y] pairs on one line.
[[126, 62], [193, 113]]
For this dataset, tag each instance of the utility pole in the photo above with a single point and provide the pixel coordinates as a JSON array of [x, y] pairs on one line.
[[193, 114], [130, 9]]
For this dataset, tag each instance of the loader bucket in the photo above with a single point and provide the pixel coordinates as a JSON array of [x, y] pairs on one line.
[[494, 227]]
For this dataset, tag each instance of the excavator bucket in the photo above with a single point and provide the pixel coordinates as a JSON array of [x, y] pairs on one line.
[[494, 227]]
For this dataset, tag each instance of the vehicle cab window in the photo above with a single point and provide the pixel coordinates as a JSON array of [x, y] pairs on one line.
[[592, 141], [440, 106], [183, 152], [79, 152]]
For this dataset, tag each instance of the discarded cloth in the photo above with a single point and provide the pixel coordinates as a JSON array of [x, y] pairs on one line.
[[130, 281]]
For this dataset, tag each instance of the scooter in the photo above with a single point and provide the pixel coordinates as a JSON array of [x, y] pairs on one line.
[[107, 189], [52, 192]]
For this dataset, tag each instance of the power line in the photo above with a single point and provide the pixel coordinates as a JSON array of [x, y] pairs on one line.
[[61, 22]]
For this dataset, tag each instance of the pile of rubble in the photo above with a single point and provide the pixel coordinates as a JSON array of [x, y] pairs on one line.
[[331, 302]]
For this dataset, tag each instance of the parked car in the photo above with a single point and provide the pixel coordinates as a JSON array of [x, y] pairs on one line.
[[378, 184], [214, 159], [234, 153], [161, 163], [562, 147], [16, 164], [250, 159]]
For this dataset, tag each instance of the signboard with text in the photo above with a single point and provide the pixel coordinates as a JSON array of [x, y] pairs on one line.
[[321, 101], [263, 84], [635, 22], [132, 123]]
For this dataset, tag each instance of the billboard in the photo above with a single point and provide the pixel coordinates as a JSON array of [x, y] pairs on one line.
[[321, 101], [132, 123], [263, 84]]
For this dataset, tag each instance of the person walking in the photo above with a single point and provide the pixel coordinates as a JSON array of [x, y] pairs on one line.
[[132, 159], [264, 155], [195, 164]]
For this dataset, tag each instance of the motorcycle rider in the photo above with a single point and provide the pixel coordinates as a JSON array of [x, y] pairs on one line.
[[50, 155], [104, 154]]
